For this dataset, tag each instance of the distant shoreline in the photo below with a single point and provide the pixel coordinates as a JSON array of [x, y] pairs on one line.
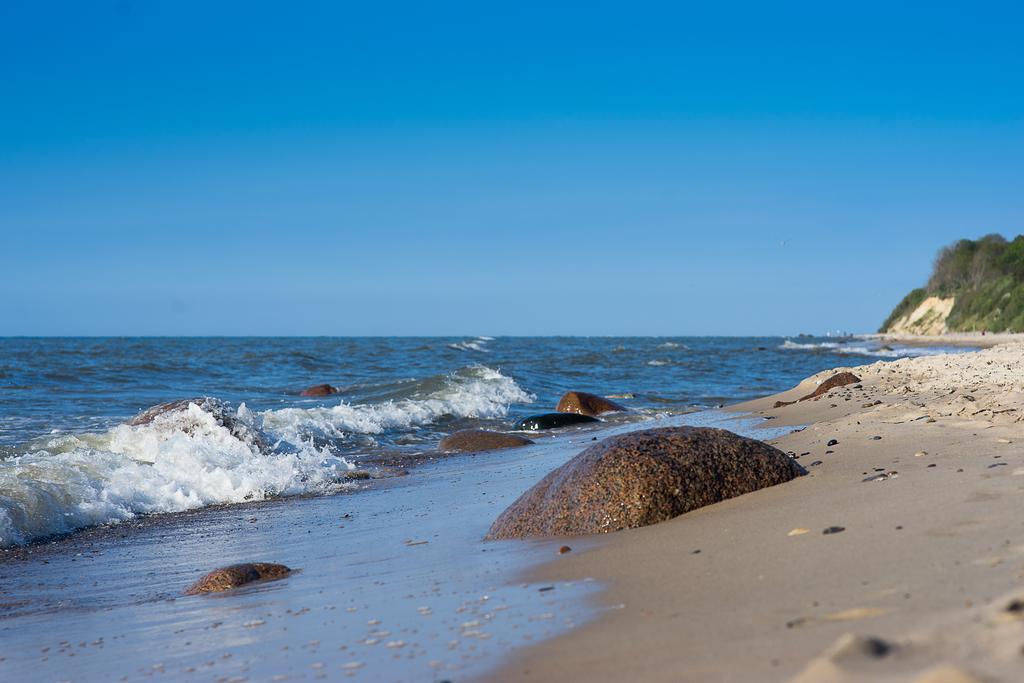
[[976, 339]]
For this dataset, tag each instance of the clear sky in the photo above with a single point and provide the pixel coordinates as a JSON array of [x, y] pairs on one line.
[[484, 168]]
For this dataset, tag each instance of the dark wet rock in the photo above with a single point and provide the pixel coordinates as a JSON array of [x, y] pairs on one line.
[[220, 412], [586, 404], [319, 390], [834, 382], [471, 440], [832, 442], [237, 575], [536, 423], [833, 530], [564, 549], [642, 478]]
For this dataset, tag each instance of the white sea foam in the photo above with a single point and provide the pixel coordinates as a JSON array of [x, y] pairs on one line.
[[659, 363], [188, 458], [180, 461], [860, 350], [477, 391], [472, 344]]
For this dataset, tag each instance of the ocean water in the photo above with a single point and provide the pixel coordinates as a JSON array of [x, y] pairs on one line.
[[69, 460]]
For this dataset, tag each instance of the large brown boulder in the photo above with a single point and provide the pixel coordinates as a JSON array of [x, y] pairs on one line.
[[237, 575], [220, 411], [835, 381], [318, 390], [586, 404], [470, 440], [642, 478]]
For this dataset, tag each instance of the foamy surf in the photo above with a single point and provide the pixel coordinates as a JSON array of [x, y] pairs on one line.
[[474, 392], [862, 350], [472, 344], [188, 458]]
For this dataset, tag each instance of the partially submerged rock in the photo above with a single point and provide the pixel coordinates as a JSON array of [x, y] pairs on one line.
[[642, 478], [586, 404], [535, 423], [237, 575], [319, 390], [471, 440], [221, 413], [835, 381]]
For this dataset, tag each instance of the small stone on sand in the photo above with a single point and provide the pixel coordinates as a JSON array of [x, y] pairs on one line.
[[798, 531]]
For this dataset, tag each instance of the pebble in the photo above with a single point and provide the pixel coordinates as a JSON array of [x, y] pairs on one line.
[[799, 531], [920, 454], [834, 530], [832, 442], [815, 463], [564, 549], [876, 438]]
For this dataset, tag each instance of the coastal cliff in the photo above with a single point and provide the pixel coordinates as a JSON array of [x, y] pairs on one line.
[[975, 285]]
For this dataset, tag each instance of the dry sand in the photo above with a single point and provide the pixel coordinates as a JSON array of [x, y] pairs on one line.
[[926, 484]]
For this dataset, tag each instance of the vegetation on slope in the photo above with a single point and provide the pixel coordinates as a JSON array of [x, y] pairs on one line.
[[986, 277]]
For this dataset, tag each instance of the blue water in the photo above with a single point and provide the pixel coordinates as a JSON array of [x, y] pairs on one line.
[[68, 461]]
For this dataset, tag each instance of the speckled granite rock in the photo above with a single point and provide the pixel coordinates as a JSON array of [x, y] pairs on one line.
[[318, 390], [469, 440], [237, 575], [642, 478], [838, 380], [586, 404]]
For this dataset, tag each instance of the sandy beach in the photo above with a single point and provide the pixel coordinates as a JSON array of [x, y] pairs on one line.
[[970, 339], [900, 557]]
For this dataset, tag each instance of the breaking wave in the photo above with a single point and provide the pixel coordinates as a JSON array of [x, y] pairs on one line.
[[477, 344], [191, 457], [475, 392]]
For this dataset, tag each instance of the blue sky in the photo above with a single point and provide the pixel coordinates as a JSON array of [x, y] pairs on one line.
[[473, 168]]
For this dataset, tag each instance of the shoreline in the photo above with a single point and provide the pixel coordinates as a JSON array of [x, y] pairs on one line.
[[968, 339], [394, 582], [929, 558]]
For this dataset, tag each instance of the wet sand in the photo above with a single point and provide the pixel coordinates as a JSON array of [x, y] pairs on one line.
[[970, 339], [898, 558], [394, 583]]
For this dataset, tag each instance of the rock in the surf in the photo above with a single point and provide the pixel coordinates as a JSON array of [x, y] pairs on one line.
[[642, 478], [216, 408], [472, 440], [835, 381], [586, 404], [319, 390], [237, 575], [536, 423]]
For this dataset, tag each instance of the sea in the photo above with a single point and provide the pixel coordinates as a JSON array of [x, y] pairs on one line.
[[103, 524], [68, 460]]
